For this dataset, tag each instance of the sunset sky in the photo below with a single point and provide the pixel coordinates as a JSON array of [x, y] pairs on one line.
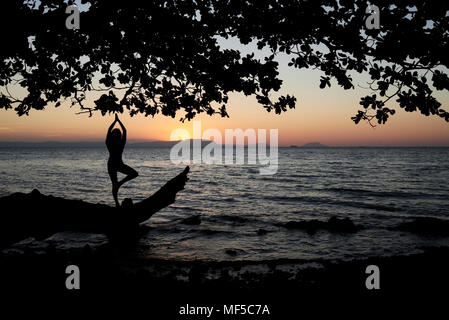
[[320, 116]]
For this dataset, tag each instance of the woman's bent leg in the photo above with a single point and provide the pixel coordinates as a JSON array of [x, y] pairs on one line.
[[130, 173]]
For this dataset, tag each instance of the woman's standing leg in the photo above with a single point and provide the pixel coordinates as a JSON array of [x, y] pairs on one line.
[[115, 185]]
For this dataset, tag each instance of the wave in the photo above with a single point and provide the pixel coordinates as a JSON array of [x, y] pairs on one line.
[[87, 190], [232, 218], [334, 224], [426, 226], [227, 199], [383, 194], [209, 232], [325, 200], [277, 179], [184, 208], [306, 176]]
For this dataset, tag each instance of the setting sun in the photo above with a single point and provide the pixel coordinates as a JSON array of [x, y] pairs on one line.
[[179, 134]]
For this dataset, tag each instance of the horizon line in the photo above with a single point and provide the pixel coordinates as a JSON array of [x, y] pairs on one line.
[[306, 145]]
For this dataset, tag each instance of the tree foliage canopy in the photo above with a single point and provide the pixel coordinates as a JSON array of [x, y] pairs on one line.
[[153, 56]]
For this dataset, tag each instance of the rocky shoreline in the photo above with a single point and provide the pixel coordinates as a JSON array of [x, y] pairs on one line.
[[97, 253], [37, 263]]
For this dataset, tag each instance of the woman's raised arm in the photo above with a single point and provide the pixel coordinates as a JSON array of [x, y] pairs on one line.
[[111, 126], [123, 130]]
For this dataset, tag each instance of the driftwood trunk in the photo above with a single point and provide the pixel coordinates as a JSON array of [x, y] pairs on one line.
[[37, 215]]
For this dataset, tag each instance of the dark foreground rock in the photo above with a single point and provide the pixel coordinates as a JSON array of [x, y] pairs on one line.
[[426, 226], [288, 286], [40, 216], [334, 224]]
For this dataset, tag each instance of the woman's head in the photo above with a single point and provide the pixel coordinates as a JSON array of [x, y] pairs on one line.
[[116, 135]]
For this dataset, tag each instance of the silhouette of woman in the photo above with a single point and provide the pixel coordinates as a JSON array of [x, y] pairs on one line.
[[115, 142]]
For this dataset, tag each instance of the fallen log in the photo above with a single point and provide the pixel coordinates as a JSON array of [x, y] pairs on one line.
[[36, 215]]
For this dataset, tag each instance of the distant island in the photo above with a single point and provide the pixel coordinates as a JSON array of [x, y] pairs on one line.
[[314, 145], [311, 145]]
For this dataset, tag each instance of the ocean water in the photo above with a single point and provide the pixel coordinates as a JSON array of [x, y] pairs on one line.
[[377, 188]]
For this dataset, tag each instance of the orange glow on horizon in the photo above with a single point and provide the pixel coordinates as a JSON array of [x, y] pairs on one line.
[[320, 116], [179, 134]]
